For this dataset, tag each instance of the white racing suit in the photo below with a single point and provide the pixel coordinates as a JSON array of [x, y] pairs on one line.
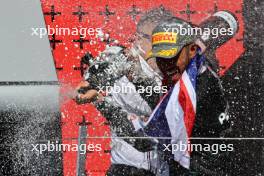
[[122, 152], [133, 106]]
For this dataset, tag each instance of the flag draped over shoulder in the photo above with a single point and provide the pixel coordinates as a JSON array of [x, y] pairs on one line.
[[174, 116]]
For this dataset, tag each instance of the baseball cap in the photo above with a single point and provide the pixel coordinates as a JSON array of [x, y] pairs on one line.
[[169, 37]]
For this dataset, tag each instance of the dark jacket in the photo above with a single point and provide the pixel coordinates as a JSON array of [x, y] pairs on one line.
[[210, 122]]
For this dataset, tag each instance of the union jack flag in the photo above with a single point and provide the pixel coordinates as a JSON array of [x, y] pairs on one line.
[[174, 116]]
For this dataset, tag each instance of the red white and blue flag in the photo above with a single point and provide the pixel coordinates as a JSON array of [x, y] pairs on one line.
[[174, 116]]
